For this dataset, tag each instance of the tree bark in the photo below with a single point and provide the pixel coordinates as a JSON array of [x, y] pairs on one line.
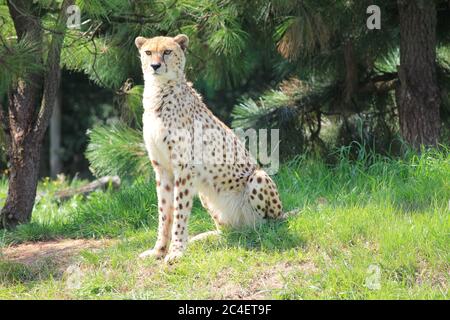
[[417, 95], [26, 126], [22, 150], [22, 183]]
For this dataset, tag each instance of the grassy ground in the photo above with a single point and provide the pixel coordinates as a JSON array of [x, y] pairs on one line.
[[372, 228]]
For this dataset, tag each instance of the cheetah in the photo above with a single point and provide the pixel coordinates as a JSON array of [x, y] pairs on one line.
[[230, 185]]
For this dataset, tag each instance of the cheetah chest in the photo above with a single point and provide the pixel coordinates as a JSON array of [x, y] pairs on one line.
[[154, 133]]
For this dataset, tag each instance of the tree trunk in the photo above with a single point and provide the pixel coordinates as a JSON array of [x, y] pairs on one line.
[[99, 184], [417, 96], [27, 122], [23, 178], [23, 151]]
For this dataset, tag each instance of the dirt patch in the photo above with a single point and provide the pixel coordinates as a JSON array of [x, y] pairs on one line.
[[61, 252], [261, 286], [275, 278]]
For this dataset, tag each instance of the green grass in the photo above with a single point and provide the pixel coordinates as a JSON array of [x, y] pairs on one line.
[[374, 213]]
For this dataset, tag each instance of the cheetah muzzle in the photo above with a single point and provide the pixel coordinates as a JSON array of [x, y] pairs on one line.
[[213, 164]]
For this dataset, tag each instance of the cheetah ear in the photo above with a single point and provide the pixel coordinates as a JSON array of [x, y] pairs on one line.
[[139, 41], [182, 40]]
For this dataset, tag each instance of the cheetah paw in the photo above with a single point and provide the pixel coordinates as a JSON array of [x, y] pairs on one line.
[[158, 254], [173, 257]]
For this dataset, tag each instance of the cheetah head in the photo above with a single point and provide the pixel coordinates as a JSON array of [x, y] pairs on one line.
[[163, 57]]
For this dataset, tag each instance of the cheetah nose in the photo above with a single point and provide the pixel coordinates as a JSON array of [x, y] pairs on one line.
[[156, 66]]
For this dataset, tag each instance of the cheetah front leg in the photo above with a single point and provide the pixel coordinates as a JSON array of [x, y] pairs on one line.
[[183, 192], [164, 189]]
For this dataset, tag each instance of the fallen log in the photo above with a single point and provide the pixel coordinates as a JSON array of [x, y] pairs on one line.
[[99, 184]]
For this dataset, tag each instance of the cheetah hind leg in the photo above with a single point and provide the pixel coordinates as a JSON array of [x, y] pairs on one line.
[[204, 235], [207, 234], [263, 195]]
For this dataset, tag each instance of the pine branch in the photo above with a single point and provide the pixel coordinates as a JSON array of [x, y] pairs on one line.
[[117, 150], [296, 101], [136, 19]]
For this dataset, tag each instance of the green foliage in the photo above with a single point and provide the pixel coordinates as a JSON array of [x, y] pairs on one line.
[[350, 73], [101, 8], [117, 150], [388, 63], [14, 60], [132, 106], [104, 46], [228, 41], [292, 109]]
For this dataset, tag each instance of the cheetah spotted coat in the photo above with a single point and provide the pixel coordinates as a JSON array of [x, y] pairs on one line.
[[230, 185]]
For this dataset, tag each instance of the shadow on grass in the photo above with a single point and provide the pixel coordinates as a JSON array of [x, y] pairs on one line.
[[271, 236], [411, 207]]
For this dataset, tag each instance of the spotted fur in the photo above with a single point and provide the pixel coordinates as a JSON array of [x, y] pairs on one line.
[[230, 185]]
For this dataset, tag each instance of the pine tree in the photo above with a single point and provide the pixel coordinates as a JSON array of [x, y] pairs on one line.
[[31, 83], [349, 72]]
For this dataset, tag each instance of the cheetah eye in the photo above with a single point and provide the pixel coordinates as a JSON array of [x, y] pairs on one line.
[[148, 52], [167, 52]]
